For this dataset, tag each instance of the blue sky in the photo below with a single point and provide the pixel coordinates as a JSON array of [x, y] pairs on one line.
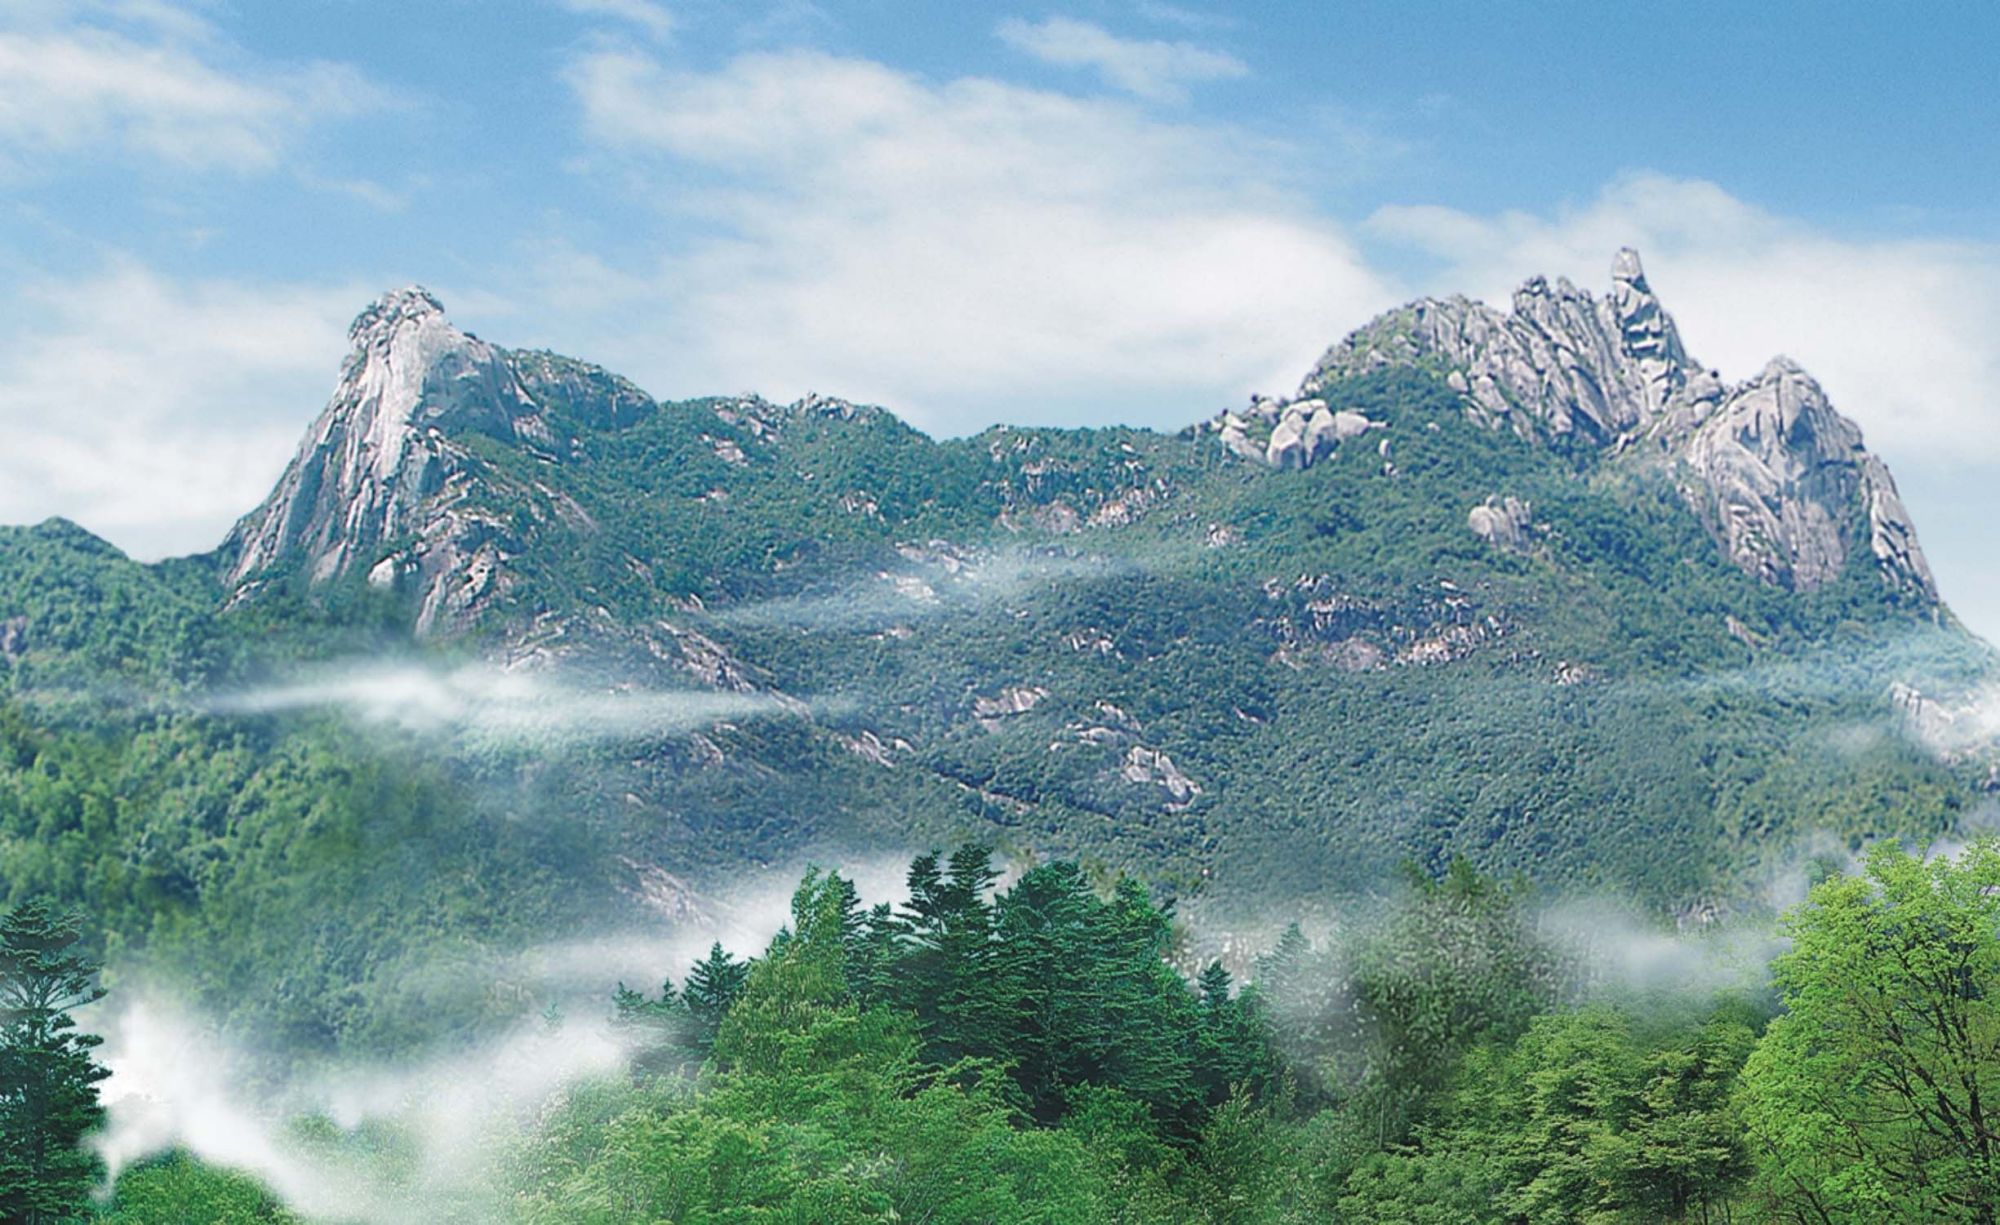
[[1086, 212]]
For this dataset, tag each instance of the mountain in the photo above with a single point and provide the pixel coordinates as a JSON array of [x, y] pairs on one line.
[[1532, 588]]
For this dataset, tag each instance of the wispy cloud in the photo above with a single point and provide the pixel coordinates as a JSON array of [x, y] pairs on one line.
[[156, 411], [962, 252], [1153, 69], [175, 1084], [1185, 17], [656, 20], [486, 704], [927, 585], [459, 1110], [153, 80]]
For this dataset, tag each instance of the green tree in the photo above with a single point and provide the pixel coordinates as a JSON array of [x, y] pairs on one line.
[[713, 984], [177, 1189], [1874, 1097], [48, 1077]]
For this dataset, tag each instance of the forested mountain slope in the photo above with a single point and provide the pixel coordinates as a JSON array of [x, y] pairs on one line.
[[1530, 588]]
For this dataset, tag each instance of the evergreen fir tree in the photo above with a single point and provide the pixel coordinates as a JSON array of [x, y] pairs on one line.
[[713, 984], [48, 1077]]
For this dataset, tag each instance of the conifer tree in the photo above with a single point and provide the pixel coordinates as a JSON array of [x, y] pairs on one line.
[[713, 984], [48, 1077]]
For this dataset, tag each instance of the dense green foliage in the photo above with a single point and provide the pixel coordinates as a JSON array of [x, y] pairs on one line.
[[1026, 1055], [48, 1074], [1515, 1098]]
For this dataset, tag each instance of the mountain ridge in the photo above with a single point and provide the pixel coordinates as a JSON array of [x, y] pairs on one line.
[[682, 637], [1776, 474]]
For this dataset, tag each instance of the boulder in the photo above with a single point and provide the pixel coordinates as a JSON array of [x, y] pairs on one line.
[[1503, 523]]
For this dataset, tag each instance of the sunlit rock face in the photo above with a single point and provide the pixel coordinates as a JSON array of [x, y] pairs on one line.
[[1561, 362], [383, 483], [385, 462], [1779, 477]]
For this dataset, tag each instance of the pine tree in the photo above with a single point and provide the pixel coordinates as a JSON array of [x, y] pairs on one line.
[[48, 1077], [713, 984]]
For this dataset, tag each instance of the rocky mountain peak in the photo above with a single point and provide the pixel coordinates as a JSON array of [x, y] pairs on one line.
[[382, 318], [1626, 269], [1561, 362], [1779, 476], [388, 443]]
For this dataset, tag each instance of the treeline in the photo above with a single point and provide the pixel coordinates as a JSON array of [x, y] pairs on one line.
[[1027, 1054]]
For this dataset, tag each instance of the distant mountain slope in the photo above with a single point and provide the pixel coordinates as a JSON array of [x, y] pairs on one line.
[[1532, 588]]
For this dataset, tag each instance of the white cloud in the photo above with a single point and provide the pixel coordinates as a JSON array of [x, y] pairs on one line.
[[962, 252], [1186, 18], [176, 1084], [1153, 69], [1904, 333], [154, 81], [653, 18], [490, 705], [155, 412]]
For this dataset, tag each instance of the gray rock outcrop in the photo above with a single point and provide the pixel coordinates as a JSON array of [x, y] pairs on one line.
[[383, 483], [1779, 477], [1501, 522], [1303, 431], [1561, 362], [381, 448]]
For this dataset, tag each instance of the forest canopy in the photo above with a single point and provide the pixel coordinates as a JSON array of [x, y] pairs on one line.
[[1028, 1051]]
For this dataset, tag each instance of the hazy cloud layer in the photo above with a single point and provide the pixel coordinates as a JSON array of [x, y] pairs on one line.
[[1149, 68], [176, 1084], [488, 705], [964, 251], [656, 20], [155, 411], [927, 585]]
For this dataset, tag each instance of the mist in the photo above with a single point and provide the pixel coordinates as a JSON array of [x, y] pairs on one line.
[[454, 1114], [931, 582], [482, 704]]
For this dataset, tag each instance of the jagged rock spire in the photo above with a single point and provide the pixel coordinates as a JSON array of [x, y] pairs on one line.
[[1778, 475], [381, 449], [1646, 333]]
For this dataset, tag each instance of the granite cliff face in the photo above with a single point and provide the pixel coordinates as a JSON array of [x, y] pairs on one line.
[[1782, 481], [384, 482], [1779, 477]]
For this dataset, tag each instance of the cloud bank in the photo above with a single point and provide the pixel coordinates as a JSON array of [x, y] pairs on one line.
[[964, 251], [155, 410], [482, 704]]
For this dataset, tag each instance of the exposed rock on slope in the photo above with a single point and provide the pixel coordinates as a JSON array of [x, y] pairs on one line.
[[382, 483], [1562, 362], [1501, 522], [1779, 477]]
